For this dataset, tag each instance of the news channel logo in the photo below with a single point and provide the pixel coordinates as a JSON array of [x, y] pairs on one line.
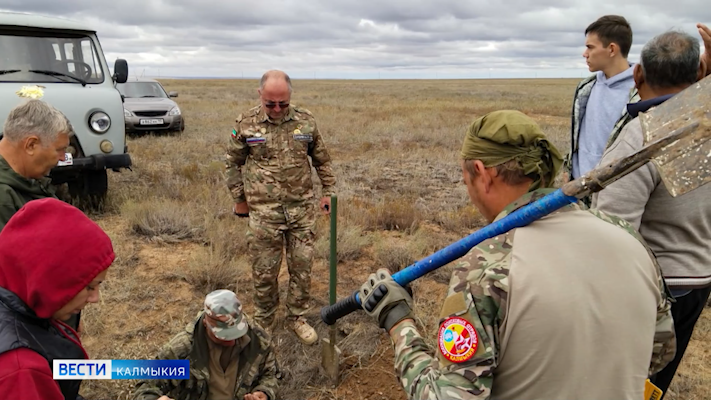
[[120, 369]]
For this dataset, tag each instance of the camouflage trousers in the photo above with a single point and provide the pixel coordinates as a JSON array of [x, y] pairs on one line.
[[266, 240]]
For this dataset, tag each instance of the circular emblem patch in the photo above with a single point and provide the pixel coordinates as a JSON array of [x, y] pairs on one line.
[[457, 339]]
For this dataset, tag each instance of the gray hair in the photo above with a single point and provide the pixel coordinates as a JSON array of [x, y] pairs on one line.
[[670, 60], [36, 117], [274, 73]]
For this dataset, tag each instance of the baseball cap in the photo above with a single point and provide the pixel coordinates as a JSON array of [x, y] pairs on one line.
[[223, 315]]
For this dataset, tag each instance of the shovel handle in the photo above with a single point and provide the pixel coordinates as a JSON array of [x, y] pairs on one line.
[[331, 314], [521, 217]]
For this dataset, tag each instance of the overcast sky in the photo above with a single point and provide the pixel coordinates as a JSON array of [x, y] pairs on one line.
[[361, 38]]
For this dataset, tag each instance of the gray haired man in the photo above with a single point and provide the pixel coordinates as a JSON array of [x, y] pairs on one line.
[[678, 230], [35, 138]]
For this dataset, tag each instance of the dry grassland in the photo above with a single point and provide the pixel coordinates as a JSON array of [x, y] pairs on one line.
[[395, 149]]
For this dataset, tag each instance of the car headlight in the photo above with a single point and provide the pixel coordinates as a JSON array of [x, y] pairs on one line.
[[174, 111], [127, 113], [99, 122]]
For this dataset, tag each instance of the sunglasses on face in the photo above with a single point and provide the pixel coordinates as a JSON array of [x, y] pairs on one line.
[[271, 104]]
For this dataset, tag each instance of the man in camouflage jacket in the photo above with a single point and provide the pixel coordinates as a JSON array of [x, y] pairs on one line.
[[269, 177], [535, 313], [229, 359]]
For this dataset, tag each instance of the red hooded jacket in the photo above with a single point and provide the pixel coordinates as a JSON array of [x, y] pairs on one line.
[[49, 252]]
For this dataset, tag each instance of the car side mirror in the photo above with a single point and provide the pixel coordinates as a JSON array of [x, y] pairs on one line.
[[173, 94], [120, 70]]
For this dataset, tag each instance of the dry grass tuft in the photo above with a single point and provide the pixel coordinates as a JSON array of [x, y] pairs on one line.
[[392, 213], [464, 219], [165, 221], [351, 243], [213, 269], [393, 256]]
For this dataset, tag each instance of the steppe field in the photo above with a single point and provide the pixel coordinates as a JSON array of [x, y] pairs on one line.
[[395, 147]]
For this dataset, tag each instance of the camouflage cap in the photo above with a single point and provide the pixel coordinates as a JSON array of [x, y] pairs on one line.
[[223, 314]]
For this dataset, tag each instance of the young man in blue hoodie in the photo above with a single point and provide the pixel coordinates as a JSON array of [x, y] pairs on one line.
[[600, 99]]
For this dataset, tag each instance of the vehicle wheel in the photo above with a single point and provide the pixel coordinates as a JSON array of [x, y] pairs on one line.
[[89, 190]]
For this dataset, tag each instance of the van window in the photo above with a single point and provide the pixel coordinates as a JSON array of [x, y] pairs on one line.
[[71, 54]]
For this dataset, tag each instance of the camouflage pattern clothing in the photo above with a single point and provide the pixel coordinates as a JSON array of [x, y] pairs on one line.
[[276, 167], [268, 166], [479, 292], [257, 367], [223, 315]]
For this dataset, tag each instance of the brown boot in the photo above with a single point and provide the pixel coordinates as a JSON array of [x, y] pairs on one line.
[[304, 331]]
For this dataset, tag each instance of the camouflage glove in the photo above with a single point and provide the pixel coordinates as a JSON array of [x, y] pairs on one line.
[[385, 300]]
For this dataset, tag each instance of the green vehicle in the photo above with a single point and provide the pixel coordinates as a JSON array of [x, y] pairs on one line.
[[61, 62]]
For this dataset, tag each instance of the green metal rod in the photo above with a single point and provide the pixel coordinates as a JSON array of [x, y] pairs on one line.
[[334, 258]]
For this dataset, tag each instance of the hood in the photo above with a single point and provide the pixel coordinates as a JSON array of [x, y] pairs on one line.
[[49, 252], [148, 104], [20, 184], [624, 78]]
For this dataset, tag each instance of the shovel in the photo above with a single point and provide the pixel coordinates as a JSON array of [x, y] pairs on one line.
[[677, 138], [329, 350]]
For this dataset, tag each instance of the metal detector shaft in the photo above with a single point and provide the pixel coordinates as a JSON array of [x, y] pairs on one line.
[[592, 182], [329, 351], [333, 259]]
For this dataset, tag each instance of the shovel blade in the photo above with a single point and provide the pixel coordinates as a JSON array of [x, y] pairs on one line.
[[683, 164], [330, 357]]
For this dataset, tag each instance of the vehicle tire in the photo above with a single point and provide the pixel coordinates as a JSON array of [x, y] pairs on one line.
[[89, 190]]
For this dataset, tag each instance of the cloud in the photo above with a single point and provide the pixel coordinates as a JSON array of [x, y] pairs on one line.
[[338, 38]]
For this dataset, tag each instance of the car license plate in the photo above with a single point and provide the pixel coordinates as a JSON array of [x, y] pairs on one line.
[[156, 121], [68, 160]]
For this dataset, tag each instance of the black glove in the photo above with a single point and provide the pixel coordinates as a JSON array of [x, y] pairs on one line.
[[385, 300]]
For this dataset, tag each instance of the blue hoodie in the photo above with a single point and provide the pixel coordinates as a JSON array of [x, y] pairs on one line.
[[607, 102]]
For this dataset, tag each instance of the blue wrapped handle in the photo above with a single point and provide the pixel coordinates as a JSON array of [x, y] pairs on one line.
[[521, 217]]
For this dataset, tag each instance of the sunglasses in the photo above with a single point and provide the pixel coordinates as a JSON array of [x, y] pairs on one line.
[[270, 104]]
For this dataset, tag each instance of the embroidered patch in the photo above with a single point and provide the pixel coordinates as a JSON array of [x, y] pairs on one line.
[[234, 133], [457, 339], [255, 140], [303, 137]]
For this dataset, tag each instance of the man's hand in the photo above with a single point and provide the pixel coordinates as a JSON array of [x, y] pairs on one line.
[[385, 300], [254, 396], [165, 398], [705, 33], [325, 205], [241, 209]]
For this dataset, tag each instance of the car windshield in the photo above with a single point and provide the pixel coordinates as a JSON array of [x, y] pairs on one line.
[[49, 57], [141, 89]]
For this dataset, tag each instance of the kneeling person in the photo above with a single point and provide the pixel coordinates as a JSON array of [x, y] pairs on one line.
[[229, 359]]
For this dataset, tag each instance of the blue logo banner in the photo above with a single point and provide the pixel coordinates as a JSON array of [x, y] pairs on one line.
[[121, 369]]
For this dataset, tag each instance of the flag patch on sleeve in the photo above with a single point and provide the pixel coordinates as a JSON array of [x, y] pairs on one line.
[[255, 140]]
